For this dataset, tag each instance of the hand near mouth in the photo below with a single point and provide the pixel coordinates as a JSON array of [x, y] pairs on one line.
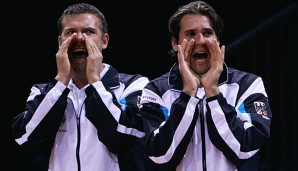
[[191, 81], [210, 79], [62, 60], [94, 61]]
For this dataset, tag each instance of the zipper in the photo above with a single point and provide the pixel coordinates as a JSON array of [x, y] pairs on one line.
[[202, 123], [78, 141], [78, 116], [78, 112]]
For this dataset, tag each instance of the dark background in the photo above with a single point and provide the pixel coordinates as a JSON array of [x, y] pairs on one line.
[[260, 37]]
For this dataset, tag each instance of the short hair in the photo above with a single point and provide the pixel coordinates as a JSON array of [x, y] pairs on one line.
[[82, 8], [196, 7]]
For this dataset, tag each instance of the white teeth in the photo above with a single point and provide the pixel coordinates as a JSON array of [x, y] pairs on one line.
[[79, 50]]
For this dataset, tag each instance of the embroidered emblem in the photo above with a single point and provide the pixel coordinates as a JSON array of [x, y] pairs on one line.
[[260, 108]]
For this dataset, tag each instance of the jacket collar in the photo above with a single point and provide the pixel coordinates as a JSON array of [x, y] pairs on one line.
[[111, 78], [175, 79]]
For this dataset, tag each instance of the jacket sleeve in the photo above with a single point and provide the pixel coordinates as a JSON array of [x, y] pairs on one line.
[[167, 135], [117, 120], [36, 127], [240, 131]]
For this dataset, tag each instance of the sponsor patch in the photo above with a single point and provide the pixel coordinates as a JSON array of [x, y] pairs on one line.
[[260, 108], [149, 98]]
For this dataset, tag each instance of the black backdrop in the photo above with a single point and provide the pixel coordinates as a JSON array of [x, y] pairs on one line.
[[261, 37]]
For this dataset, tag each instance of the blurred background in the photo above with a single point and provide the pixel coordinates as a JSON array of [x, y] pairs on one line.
[[260, 37]]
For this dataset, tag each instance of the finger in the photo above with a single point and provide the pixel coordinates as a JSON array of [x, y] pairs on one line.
[[214, 49], [67, 42], [183, 44], [220, 52], [180, 55], [64, 46], [89, 43], [223, 49], [187, 50]]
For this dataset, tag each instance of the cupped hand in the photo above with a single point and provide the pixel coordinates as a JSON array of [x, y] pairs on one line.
[[191, 81], [210, 79], [94, 61], [62, 61]]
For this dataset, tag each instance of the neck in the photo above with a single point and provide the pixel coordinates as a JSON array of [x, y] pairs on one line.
[[80, 81]]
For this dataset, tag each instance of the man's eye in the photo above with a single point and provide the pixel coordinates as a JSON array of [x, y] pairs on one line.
[[191, 34], [69, 33], [208, 33], [88, 32]]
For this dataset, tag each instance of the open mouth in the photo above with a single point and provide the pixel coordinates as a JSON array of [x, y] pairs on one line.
[[200, 56], [79, 54]]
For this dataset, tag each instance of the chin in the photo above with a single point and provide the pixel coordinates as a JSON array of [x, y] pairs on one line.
[[201, 71]]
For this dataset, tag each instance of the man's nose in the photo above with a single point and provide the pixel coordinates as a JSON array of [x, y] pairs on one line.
[[199, 39], [80, 36]]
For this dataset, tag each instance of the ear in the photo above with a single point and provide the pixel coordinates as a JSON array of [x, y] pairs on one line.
[[105, 41], [174, 44]]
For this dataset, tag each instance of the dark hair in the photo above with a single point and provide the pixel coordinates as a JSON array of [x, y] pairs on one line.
[[82, 8], [196, 7]]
